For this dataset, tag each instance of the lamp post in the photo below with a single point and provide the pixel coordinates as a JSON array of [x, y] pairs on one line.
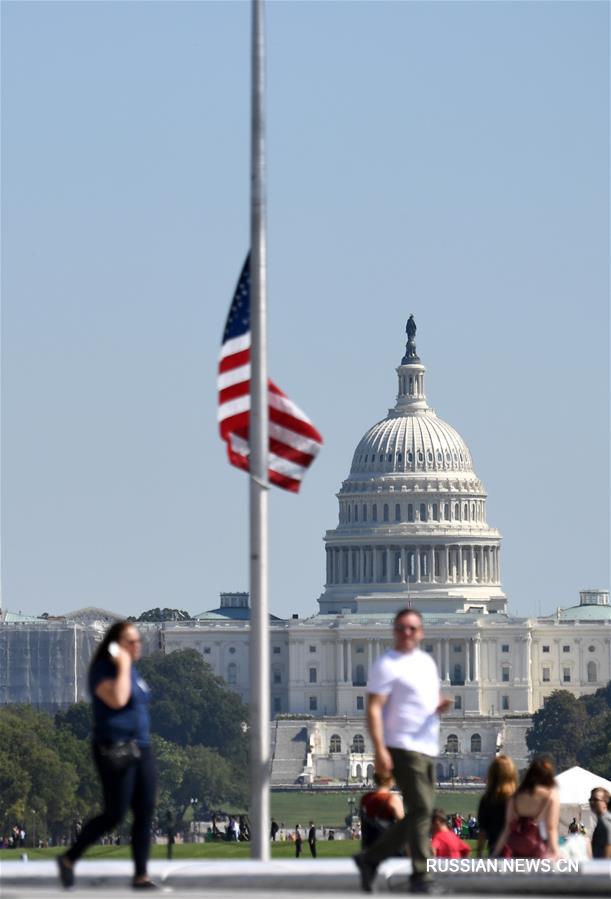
[[193, 802]]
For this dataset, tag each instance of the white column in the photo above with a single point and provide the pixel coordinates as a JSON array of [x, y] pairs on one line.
[[417, 564], [461, 571], [349, 661], [361, 574], [431, 553], [438, 656], [472, 564], [339, 661], [446, 646], [369, 657], [403, 564], [476, 657], [468, 660], [387, 552], [446, 564]]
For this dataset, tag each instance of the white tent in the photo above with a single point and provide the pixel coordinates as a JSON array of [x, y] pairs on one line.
[[575, 785]]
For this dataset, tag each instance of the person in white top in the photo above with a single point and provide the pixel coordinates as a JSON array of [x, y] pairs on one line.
[[403, 708]]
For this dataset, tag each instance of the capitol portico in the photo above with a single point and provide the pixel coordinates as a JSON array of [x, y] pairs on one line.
[[412, 530]]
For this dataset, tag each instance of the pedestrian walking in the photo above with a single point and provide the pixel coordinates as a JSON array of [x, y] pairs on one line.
[[534, 807], [601, 837], [298, 841], [403, 708], [121, 752], [312, 839], [274, 830], [502, 782]]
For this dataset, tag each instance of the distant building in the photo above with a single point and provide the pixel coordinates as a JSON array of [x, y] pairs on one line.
[[44, 661], [412, 530]]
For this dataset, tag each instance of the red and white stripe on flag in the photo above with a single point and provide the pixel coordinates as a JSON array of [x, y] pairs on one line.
[[293, 440]]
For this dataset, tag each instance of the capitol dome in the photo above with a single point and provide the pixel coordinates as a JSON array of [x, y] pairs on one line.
[[409, 443], [412, 515]]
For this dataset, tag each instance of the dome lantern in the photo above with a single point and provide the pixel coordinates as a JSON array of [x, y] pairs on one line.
[[411, 374]]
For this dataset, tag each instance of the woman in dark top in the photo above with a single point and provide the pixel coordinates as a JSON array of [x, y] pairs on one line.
[[121, 751], [502, 784]]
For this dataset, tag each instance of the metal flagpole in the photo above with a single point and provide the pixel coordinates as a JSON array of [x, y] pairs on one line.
[[259, 618]]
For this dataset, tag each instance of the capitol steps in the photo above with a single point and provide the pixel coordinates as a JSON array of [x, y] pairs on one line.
[[289, 749]]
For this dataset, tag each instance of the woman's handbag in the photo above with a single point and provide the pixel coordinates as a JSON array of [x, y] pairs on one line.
[[525, 840], [119, 756]]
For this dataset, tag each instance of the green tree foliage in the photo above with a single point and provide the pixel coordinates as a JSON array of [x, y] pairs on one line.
[[574, 731], [77, 719], [38, 782], [163, 615], [46, 768], [190, 705]]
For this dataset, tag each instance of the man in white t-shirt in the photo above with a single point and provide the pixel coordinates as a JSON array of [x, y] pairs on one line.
[[403, 708]]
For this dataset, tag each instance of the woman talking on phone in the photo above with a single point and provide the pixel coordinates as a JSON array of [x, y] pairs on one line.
[[121, 751]]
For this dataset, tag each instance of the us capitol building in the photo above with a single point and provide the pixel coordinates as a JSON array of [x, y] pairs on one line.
[[412, 530]]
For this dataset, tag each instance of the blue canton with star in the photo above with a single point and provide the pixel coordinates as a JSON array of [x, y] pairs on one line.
[[238, 320]]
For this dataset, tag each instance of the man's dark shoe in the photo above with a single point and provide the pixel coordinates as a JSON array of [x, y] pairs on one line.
[[367, 872], [146, 885], [66, 872]]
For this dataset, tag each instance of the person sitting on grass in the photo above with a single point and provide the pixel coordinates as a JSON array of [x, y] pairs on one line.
[[445, 843]]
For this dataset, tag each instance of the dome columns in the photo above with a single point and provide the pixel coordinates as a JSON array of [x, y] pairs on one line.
[[411, 395], [401, 563]]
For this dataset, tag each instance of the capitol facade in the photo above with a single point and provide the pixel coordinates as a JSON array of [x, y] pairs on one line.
[[412, 531]]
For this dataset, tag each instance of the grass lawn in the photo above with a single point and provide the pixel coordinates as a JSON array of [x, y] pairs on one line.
[[326, 849], [330, 809]]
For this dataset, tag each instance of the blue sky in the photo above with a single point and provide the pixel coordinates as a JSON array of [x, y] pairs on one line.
[[448, 160]]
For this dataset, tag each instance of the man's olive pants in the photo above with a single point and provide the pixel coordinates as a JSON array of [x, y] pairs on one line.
[[413, 773]]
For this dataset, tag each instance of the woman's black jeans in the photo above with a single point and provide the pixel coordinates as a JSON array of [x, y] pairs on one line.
[[133, 788]]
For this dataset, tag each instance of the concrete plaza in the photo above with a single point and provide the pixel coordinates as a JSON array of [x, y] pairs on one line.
[[325, 877]]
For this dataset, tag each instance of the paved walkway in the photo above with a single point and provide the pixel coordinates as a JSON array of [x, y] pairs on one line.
[[320, 876]]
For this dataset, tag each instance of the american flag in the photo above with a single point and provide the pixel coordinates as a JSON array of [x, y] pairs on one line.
[[293, 439]]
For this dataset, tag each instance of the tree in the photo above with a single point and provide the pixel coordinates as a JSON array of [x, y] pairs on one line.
[[595, 752], [190, 705], [163, 615], [209, 779], [47, 783], [77, 719], [558, 729]]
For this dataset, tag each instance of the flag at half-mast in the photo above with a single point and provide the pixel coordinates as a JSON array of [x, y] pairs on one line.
[[293, 440]]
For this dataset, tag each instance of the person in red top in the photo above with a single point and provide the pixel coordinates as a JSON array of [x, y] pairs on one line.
[[445, 843]]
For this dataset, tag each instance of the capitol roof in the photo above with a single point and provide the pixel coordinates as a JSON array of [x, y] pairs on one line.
[[585, 613], [411, 441]]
